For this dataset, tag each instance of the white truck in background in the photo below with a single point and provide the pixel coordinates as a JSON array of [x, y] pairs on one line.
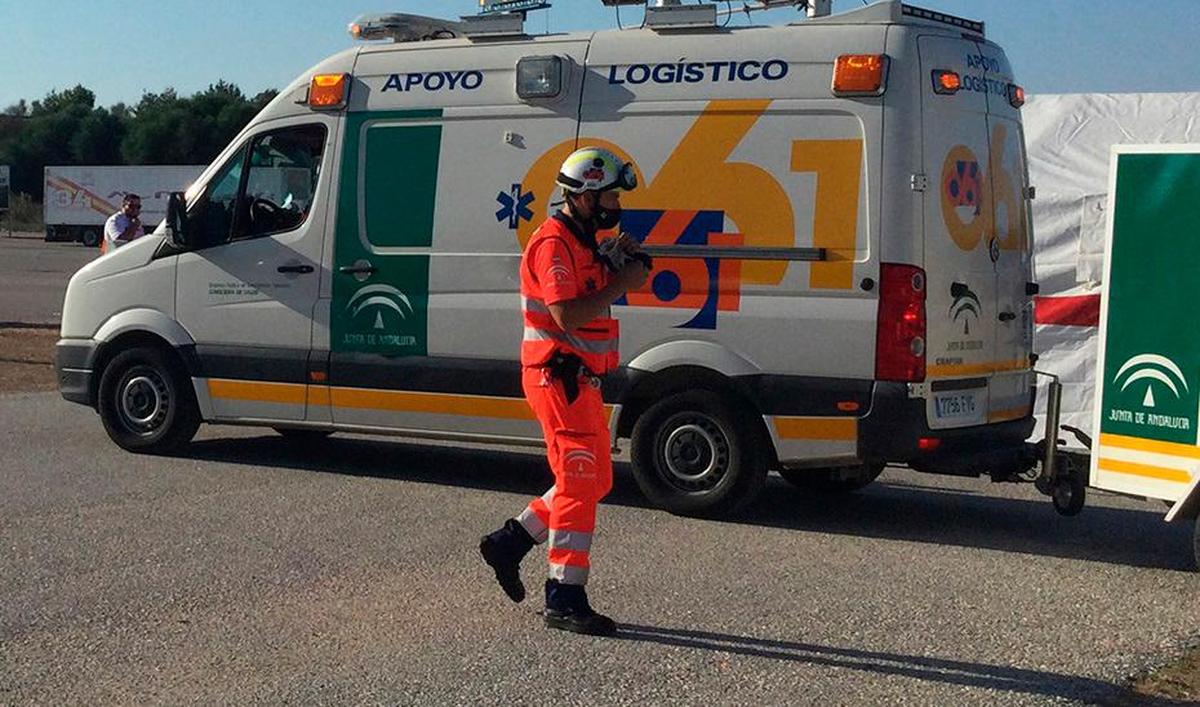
[[79, 199]]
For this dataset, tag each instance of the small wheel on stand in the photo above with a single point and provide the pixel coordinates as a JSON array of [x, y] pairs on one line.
[[1070, 490]]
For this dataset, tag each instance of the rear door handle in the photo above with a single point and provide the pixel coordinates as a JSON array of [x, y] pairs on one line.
[[1007, 316], [358, 269], [301, 269]]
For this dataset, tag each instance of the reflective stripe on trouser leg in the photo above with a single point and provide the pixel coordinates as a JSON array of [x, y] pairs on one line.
[[536, 517], [569, 556], [578, 449]]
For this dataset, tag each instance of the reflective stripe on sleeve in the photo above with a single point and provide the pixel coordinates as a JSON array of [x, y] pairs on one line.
[[533, 304]]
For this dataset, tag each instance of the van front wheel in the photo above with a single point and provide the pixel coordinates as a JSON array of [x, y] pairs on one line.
[[145, 403], [694, 454]]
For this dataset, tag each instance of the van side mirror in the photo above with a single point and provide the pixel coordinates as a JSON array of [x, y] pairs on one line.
[[177, 219]]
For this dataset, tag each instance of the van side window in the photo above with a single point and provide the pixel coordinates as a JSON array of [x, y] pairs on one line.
[[265, 189], [212, 216], [284, 167]]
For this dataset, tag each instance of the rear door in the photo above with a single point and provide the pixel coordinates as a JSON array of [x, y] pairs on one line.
[[1008, 181], [962, 297]]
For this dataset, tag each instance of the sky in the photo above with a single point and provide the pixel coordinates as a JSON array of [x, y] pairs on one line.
[[123, 48]]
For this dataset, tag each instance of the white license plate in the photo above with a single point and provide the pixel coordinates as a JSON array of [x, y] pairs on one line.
[[954, 406]]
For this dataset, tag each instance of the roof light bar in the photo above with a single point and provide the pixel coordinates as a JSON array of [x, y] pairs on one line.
[[933, 16], [401, 27]]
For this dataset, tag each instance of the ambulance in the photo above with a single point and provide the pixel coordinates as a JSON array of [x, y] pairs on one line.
[[838, 210]]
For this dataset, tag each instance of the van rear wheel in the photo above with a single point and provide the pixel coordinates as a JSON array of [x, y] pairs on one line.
[[694, 454], [146, 403], [90, 237], [832, 481]]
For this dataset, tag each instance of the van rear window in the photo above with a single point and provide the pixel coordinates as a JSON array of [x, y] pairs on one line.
[[401, 174]]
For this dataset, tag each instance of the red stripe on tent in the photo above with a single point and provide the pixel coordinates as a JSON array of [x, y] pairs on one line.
[[1077, 310]]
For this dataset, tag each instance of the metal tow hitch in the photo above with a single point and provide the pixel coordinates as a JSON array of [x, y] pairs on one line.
[[1064, 473]]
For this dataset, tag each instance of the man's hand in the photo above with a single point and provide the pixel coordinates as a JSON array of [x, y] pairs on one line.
[[131, 230], [631, 277]]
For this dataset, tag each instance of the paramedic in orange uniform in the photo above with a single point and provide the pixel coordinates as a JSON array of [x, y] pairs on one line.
[[568, 283]]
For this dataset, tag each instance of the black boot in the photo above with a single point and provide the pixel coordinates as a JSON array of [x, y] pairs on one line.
[[503, 550], [567, 609]]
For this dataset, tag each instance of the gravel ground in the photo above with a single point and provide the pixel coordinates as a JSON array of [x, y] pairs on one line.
[[250, 569]]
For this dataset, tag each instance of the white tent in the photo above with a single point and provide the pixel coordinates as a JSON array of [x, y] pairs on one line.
[[1069, 138]]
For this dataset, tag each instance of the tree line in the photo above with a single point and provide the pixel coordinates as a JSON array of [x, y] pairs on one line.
[[68, 128]]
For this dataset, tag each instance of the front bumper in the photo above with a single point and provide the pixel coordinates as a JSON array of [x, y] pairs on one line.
[[74, 367], [896, 424]]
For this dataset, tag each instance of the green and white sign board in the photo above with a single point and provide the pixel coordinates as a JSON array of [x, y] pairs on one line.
[[1148, 388]]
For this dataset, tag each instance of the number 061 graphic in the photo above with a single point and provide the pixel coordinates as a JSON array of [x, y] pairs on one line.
[[974, 200]]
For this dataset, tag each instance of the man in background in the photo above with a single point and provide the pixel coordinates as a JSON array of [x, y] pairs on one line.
[[123, 226]]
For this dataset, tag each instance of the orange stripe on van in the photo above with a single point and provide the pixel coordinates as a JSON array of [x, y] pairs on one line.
[[1152, 446], [318, 395], [368, 399], [255, 391], [969, 369], [436, 403], [818, 428], [1009, 414], [1145, 470]]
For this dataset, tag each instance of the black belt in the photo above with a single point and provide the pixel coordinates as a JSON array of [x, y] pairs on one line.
[[569, 368]]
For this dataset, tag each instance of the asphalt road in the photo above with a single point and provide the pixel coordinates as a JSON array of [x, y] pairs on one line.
[[34, 275], [251, 569]]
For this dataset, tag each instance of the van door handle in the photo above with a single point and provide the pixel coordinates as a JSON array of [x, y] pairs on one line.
[[301, 269], [958, 289], [358, 269], [1007, 316]]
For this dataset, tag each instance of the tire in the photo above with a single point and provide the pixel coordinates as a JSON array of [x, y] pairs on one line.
[[1196, 542], [303, 436], [146, 402], [832, 481], [90, 237], [695, 454]]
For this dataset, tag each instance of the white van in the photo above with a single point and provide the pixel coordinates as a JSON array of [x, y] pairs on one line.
[[838, 208]]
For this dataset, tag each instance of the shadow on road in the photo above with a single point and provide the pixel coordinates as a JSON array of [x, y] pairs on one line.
[[954, 672], [891, 511]]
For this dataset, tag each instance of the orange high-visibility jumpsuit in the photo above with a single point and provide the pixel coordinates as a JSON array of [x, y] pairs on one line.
[[558, 267]]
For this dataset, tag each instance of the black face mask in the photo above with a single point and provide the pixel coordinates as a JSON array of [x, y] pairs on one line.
[[606, 218]]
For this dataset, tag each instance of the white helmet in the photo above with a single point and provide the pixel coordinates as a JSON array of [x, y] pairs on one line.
[[596, 169]]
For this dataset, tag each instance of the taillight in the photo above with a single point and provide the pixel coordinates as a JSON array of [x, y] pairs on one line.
[[900, 337]]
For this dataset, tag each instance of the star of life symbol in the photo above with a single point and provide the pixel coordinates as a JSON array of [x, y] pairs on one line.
[[514, 206], [1152, 367]]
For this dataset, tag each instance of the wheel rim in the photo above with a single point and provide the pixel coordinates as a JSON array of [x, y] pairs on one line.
[[693, 452], [143, 401]]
